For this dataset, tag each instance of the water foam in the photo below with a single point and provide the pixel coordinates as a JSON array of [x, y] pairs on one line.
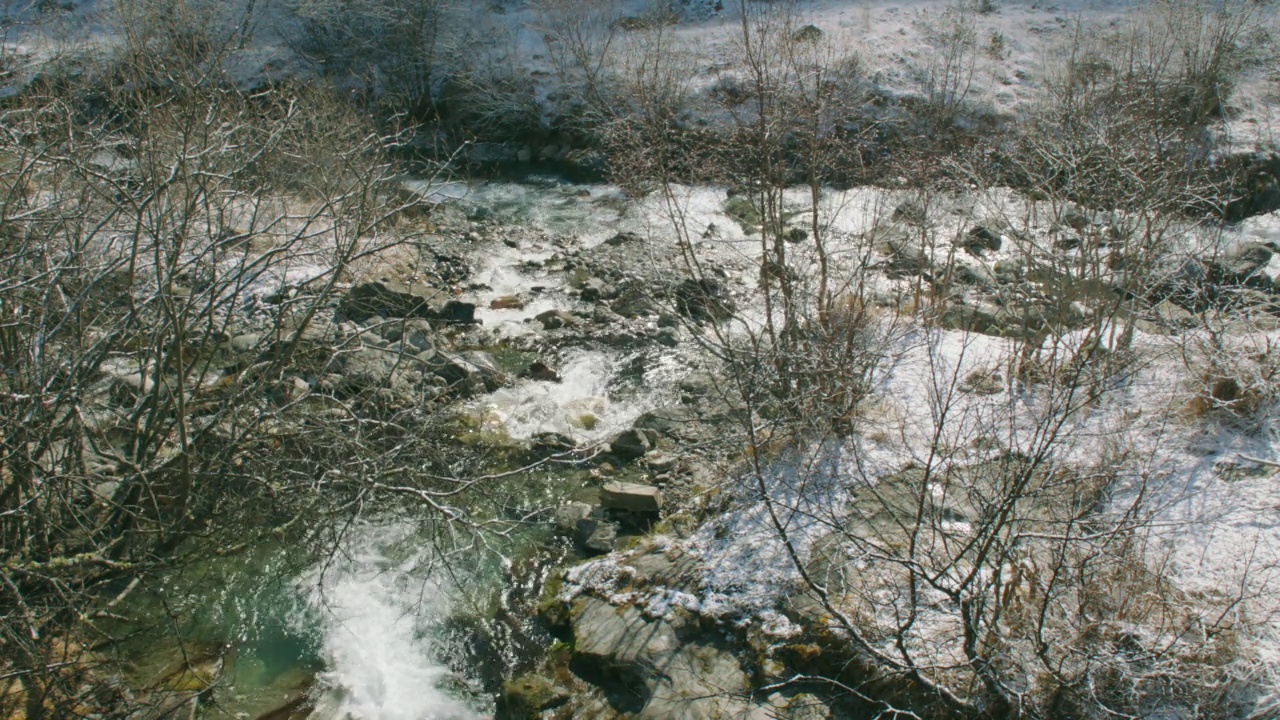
[[375, 613]]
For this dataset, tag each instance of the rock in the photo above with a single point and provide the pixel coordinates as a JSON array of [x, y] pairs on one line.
[[394, 299], [983, 382], [506, 302], [911, 213], [602, 536], [1075, 220], [470, 371], [670, 422], [623, 238], [631, 497], [981, 239], [595, 290], [668, 677], [556, 319], [246, 343], [1248, 261], [704, 299], [585, 166], [633, 444], [551, 443], [634, 301], [668, 336], [660, 462], [796, 235], [807, 34], [410, 333], [541, 372], [527, 697], [969, 319], [567, 516]]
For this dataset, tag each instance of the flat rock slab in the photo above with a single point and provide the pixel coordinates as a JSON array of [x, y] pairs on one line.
[[631, 497]]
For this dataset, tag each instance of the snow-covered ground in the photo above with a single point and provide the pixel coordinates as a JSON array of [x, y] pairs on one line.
[[1010, 49], [1211, 497]]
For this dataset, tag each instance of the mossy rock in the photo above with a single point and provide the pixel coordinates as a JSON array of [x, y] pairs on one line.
[[527, 696], [744, 211]]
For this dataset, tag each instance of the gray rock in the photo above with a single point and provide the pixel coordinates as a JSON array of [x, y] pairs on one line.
[[631, 497], [602, 538], [623, 238], [470, 371], [634, 301], [981, 239], [688, 680], [541, 372], [567, 516], [551, 443], [668, 336], [246, 343], [633, 444], [911, 213], [556, 319], [970, 319], [394, 299], [808, 33], [704, 299], [1075, 220], [595, 290]]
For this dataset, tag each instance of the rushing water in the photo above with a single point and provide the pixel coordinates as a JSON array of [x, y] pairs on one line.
[[369, 628], [376, 611]]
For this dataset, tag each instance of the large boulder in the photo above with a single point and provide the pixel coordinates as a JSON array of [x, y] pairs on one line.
[[631, 497], [667, 676], [402, 300]]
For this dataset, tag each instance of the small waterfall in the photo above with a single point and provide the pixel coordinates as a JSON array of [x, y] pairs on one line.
[[374, 612]]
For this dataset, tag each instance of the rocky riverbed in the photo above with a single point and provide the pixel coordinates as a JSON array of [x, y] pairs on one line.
[[564, 334]]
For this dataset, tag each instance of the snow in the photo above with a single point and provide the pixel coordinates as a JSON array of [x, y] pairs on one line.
[[900, 45], [1214, 531]]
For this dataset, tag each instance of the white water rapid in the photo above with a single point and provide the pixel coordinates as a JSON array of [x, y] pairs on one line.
[[375, 612]]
